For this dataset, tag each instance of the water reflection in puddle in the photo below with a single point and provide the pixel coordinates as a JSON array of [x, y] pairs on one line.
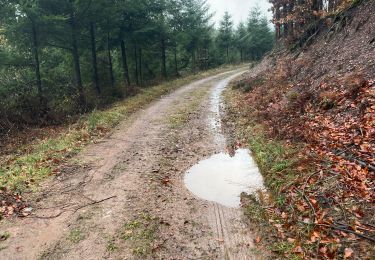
[[223, 178]]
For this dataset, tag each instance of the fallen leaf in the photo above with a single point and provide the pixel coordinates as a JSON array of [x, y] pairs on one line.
[[298, 249], [348, 252]]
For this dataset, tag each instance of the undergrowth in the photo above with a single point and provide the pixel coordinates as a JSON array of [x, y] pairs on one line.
[[305, 142]]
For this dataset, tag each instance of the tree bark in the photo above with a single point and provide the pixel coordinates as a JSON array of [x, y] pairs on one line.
[[110, 64], [163, 58], [94, 57], [286, 27], [140, 66], [124, 63], [227, 54], [175, 62], [193, 61], [291, 22], [136, 64], [278, 25], [75, 54], [37, 65], [331, 5]]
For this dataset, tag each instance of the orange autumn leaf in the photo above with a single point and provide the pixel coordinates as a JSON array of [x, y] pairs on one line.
[[348, 253]]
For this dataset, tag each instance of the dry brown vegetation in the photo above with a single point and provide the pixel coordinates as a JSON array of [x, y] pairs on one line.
[[318, 102]]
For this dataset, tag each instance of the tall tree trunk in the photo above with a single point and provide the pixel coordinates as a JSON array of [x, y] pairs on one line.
[[286, 27], [291, 22], [331, 5], [140, 66], [278, 25], [315, 5], [110, 65], [94, 57], [37, 65], [124, 63], [207, 58], [320, 5], [163, 58], [136, 64], [175, 61], [193, 60], [75, 54], [241, 53], [227, 54]]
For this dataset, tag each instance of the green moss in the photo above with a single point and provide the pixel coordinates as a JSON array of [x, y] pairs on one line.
[[111, 247], [141, 234], [275, 159], [75, 236]]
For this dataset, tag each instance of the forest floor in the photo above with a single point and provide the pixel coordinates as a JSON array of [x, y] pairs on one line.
[[124, 197], [308, 116]]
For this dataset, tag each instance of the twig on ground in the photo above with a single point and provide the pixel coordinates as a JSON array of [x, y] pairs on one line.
[[93, 203], [308, 179], [308, 201], [348, 231], [370, 225], [48, 217]]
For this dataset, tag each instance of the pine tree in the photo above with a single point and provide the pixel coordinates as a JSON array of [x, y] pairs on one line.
[[240, 39], [225, 36]]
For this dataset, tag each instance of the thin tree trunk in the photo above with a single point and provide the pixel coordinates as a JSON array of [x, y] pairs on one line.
[[207, 58], [175, 61], [140, 66], [136, 64], [125, 63], [193, 60], [110, 65], [163, 59], [286, 27], [331, 5], [291, 22], [227, 54], [37, 65], [75, 54], [320, 5], [94, 57], [278, 26]]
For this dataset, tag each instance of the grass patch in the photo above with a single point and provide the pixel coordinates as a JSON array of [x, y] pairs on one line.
[[76, 236], [274, 158], [181, 116], [278, 161], [111, 247], [31, 164], [141, 233], [246, 85]]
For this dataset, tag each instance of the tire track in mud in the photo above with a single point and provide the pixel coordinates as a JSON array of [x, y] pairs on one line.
[[228, 223], [200, 138]]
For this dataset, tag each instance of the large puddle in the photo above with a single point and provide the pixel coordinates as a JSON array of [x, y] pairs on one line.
[[222, 178]]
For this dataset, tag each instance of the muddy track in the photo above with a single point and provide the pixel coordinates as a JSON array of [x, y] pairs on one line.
[[124, 198]]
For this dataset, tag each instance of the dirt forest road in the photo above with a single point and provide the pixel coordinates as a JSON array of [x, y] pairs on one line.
[[125, 198]]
